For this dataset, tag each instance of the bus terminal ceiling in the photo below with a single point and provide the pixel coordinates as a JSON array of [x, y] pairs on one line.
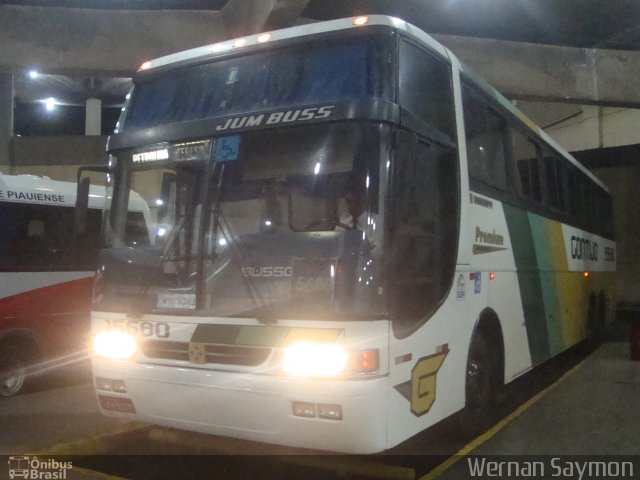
[[596, 39]]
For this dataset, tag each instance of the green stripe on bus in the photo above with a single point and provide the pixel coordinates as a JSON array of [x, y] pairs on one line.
[[545, 245], [529, 281]]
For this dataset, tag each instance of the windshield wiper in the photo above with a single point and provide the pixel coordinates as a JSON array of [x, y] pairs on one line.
[[145, 283], [171, 239]]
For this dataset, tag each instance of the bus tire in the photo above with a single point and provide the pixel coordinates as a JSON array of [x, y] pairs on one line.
[[14, 369], [481, 383], [596, 315]]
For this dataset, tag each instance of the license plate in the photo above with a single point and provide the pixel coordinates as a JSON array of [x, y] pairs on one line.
[[184, 301]]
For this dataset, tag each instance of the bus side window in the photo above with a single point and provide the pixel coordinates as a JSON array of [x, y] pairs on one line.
[[40, 237], [425, 88], [606, 213], [486, 133], [88, 244], [35, 246], [422, 242], [526, 155], [136, 232], [574, 196], [554, 181]]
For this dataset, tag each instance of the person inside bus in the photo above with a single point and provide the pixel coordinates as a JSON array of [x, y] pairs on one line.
[[354, 215]]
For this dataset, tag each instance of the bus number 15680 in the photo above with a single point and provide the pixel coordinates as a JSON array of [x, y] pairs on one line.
[[143, 329]]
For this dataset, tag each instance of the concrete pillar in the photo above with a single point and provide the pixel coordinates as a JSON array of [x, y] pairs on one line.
[[6, 118], [93, 117]]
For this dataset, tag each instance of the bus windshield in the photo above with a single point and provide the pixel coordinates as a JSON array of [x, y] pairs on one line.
[[282, 225], [337, 70]]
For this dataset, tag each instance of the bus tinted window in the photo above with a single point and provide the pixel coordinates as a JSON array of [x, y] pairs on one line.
[[574, 197], [136, 232], [485, 135], [525, 156], [41, 237], [554, 176], [425, 88], [422, 250], [605, 212], [301, 75]]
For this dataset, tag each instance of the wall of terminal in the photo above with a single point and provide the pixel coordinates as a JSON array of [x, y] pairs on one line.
[[57, 157], [623, 183]]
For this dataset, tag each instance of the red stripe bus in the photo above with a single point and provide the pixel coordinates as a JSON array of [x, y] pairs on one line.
[[46, 274]]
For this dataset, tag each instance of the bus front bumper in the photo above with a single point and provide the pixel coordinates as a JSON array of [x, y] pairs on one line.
[[323, 414]]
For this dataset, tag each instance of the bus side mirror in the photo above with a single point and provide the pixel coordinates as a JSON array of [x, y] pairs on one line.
[[82, 206], [82, 197]]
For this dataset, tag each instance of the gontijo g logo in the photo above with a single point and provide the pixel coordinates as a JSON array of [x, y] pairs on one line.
[[37, 469]]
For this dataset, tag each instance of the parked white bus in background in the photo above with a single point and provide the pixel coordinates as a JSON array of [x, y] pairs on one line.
[[46, 274], [479, 250]]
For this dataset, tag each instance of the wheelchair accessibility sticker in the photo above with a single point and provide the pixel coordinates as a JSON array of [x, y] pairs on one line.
[[226, 149]]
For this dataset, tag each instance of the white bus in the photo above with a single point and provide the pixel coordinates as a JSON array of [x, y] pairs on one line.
[[481, 248], [46, 274]]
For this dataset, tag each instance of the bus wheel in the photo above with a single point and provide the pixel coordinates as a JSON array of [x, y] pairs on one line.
[[596, 315], [13, 372], [481, 382]]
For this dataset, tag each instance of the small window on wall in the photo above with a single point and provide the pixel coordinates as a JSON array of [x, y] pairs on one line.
[[525, 156], [425, 88], [486, 133]]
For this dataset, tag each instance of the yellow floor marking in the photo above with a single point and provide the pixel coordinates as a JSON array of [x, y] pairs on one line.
[[476, 442], [93, 474], [95, 444]]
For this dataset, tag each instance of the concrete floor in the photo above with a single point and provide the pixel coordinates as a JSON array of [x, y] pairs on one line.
[[62, 408], [593, 411]]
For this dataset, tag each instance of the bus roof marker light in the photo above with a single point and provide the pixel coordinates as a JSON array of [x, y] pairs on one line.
[[218, 47], [265, 37], [360, 21], [585, 274], [240, 42]]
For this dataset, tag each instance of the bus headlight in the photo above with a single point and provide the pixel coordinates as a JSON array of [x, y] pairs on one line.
[[307, 359], [114, 345]]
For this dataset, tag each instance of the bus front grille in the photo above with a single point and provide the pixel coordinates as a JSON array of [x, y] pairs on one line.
[[199, 353]]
